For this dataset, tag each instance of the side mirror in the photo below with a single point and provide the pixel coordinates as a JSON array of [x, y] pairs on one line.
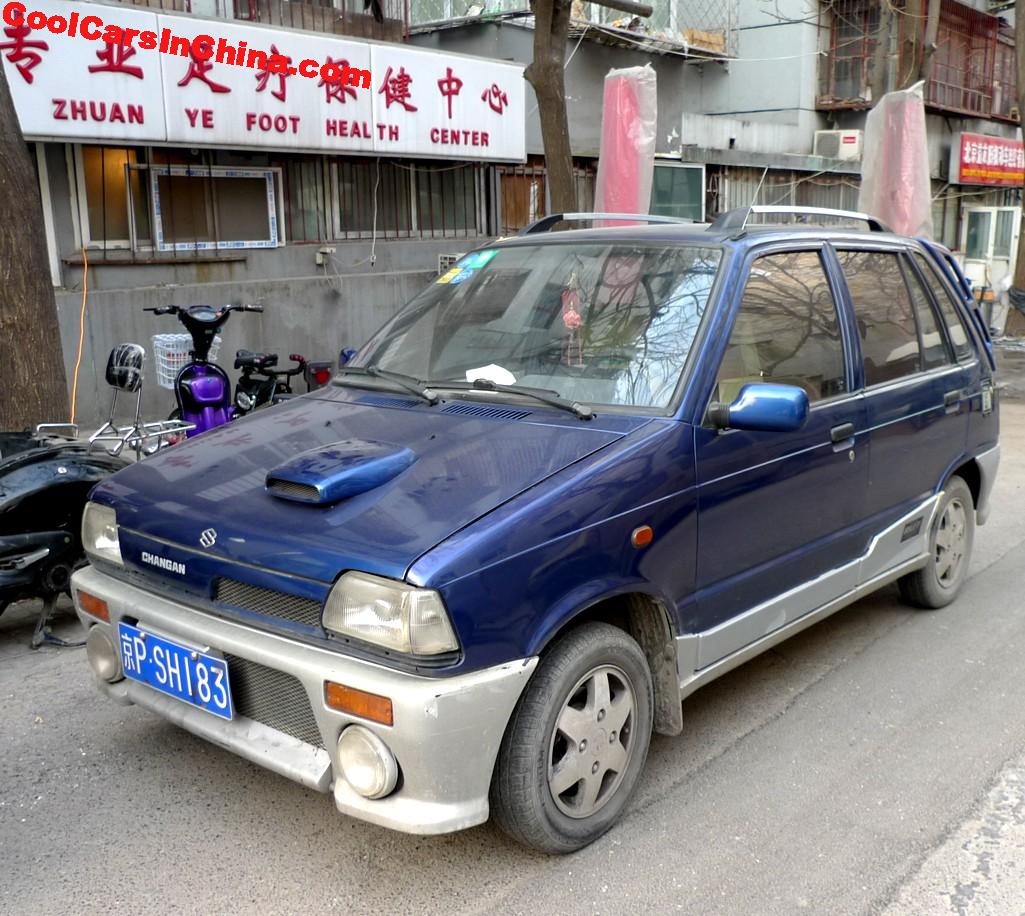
[[765, 407]]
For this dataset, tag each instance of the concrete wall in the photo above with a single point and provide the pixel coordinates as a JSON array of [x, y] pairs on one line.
[[309, 309], [308, 315]]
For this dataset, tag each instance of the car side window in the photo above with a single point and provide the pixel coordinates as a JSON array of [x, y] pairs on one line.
[[930, 338], [955, 327], [884, 313], [787, 330]]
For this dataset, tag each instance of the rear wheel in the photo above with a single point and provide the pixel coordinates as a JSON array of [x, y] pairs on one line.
[[576, 743], [937, 583]]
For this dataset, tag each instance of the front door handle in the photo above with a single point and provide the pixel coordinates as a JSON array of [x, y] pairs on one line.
[[842, 432], [952, 399]]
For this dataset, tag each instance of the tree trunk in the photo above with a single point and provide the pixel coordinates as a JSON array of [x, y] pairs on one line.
[[33, 385], [879, 65], [1015, 319], [932, 32], [546, 73], [908, 60]]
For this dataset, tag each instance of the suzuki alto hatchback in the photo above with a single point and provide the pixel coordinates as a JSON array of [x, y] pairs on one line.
[[578, 477]]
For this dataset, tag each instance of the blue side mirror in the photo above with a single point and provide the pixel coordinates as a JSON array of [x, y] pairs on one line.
[[762, 406], [345, 355]]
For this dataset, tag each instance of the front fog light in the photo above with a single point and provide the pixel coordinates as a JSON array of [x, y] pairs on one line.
[[102, 656], [99, 533], [366, 763]]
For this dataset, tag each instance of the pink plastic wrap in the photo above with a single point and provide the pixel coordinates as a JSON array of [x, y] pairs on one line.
[[895, 168], [626, 156]]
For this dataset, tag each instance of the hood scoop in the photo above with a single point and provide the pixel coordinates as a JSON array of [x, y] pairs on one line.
[[328, 474]]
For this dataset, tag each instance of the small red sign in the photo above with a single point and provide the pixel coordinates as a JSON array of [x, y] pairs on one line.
[[994, 161]]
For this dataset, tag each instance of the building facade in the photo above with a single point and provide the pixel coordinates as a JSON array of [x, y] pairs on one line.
[[202, 181]]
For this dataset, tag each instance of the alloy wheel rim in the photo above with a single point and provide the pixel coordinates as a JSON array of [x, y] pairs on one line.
[[593, 742], [949, 542]]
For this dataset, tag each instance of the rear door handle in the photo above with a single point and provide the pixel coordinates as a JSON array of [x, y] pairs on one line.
[[842, 432], [952, 399]]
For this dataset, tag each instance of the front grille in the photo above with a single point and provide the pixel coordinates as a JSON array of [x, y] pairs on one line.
[[300, 492], [268, 601], [273, 698]]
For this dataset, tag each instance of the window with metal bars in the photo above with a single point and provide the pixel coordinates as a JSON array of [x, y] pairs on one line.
[[972, 72], [408, 199]]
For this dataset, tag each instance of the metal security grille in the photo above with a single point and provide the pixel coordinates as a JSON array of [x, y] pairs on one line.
[[272, 698], [268, 601], [288, 490]]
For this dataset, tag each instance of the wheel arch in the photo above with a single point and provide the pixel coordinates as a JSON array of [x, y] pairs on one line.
[[646, 618]]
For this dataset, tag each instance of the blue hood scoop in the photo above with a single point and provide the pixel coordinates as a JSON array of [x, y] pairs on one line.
[[328, 474]]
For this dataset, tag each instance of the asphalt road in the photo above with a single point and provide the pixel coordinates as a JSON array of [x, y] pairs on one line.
[[874, 763]]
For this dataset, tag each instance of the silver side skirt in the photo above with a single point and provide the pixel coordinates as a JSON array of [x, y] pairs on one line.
[[899, 549]]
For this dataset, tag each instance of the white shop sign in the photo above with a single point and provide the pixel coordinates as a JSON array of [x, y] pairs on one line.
[[420, 102]]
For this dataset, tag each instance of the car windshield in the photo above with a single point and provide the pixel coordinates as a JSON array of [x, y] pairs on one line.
[[596, 323]]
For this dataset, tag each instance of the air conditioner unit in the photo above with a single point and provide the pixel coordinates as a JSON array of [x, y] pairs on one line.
[[447, 261], [838, 144]]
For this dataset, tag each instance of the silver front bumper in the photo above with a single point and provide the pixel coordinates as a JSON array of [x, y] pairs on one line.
[[445, 738]]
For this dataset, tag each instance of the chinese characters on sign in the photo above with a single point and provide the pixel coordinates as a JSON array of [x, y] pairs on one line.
[[419, 102], [995, 161]]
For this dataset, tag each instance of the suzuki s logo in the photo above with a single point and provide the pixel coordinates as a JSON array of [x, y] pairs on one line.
[[208, 538]]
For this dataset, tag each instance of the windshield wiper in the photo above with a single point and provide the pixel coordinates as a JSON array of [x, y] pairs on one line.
[[582, 411], [407, 382]]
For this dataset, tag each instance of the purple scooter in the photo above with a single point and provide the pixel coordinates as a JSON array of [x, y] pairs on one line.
[[202, 388]]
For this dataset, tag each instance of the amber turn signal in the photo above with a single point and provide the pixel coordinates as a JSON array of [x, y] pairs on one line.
[[97, 607], [642, 536], [358, 703]]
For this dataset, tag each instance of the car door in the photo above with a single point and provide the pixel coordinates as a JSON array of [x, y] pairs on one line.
[[915, 392], [780, 514]]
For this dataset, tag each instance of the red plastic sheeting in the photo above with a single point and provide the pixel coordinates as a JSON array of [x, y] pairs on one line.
[[626, 156], [895, 185]]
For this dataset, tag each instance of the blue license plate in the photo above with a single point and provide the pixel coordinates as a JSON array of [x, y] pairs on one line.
[[179, 671]]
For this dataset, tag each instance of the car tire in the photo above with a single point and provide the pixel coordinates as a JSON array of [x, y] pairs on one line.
[[951, 536], [586, 713]]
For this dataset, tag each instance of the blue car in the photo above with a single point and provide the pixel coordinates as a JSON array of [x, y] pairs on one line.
[[578, 477]]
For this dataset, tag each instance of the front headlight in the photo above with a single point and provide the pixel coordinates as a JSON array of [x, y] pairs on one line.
[[99, 533], [390, 614]]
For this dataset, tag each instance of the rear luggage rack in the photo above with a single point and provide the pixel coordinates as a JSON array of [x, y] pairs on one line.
[[737, 219]]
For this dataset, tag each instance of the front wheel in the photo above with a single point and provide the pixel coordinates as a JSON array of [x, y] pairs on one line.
[[576, 743], [937, 583]]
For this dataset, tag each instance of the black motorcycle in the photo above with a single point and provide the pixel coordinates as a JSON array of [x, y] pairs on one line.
[[45, 479], [260, 383]]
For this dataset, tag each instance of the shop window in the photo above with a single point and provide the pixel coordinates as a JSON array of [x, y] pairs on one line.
[[214, 208], [396, 200], [373, 194], [114, 192], [678, 190], [447, 200]]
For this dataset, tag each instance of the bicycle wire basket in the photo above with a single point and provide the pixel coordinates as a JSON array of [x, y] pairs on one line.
[[171, 352]]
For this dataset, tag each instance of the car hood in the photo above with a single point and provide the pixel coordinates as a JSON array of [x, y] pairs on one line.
[[459, 460]]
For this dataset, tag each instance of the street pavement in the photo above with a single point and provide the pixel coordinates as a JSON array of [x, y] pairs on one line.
[[873, 764]]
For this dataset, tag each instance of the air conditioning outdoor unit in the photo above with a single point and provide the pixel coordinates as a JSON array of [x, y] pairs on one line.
[[447, 261], [838, 144]]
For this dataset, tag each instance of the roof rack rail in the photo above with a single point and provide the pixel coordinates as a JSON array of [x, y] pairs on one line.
[[546, 222], [737, 219]]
